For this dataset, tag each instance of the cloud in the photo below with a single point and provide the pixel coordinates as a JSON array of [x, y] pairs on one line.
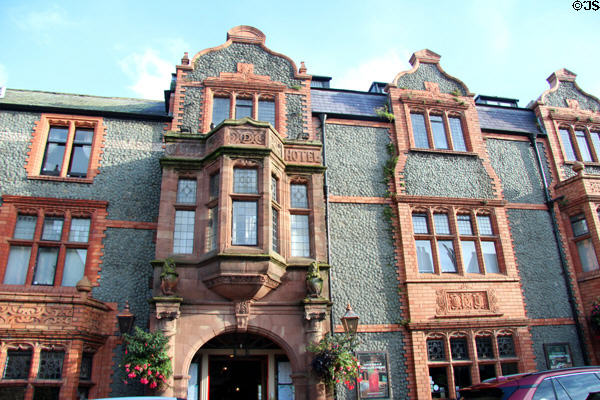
[[3, 76], [44, 20], [382, 68], [150, 73]]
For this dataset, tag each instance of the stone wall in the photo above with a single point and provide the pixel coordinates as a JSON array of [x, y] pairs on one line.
[[555, 334]]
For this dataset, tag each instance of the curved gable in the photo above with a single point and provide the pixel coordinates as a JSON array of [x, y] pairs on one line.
[[564, 90], [426, 68]]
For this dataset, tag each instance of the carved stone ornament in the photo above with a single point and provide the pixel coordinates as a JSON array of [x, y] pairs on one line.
[[167, 313], [432, 87], [247, 136], [35, 314], [246, 163], [302, 156], [573, 104], [242, 312], [471, 302], [595, 187]]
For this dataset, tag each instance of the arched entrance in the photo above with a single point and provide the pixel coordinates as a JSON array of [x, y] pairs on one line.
[[240, 366]]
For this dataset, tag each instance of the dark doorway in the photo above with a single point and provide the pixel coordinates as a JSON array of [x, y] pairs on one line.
[[232, 378]]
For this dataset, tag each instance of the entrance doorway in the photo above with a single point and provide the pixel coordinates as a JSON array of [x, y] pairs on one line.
[[233, 378]]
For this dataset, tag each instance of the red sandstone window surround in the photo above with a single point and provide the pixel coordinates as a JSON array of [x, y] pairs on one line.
[[582, 239], [300, 245], [50, 242], [580, 143], [455, 240], [437, 129], [66, 148], [237, 105]]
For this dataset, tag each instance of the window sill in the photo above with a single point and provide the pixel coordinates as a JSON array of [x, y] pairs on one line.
[[588, 275], [60, 179], [585, 163], [442, 151]]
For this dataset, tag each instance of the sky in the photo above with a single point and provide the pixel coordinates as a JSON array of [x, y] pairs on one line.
[[123, 48]]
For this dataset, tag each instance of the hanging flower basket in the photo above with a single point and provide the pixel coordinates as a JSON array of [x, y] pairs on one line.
[[146, 360], [334, 360]]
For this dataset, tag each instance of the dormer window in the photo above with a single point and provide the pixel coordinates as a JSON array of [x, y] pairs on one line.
[[260, 107]]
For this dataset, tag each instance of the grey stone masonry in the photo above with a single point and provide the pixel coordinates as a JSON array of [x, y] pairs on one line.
[[295, 117], [568, 90], [539, 264], [363, 266], [429, 73], [555, 334], [446, 175], [392, 344], [356, 156], [225, 60], [192, 108]]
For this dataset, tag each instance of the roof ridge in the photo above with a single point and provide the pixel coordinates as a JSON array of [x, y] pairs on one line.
[[81, 95]]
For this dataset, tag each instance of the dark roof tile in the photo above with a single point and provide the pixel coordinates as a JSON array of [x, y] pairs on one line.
[[346, 102], [507, 119]]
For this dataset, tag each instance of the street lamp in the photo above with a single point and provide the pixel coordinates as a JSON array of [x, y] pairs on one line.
[[126, 319], [350, 321]]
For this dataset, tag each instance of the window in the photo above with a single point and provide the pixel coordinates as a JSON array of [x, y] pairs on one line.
[[257, 106], [245, 207], [183, 236], [448, 243], [492, 351], [220, 110], [186, 191], [299, 220], [212, 227], [243, 107], [18, 364], [66, 148], [275, 207], [266, 110], [49, 246], [580, 143], [437, 130], [583, 242]]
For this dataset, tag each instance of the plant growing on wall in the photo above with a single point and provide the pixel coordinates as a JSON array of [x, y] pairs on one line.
[[334, 360], [595, 316], [384, 112], [146, 360]]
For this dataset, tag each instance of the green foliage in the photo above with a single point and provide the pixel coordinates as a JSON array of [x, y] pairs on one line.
[[146, 359], [296, 87], [313, 271], [169, 268], [334, 360], [384, 112], [456, 92]]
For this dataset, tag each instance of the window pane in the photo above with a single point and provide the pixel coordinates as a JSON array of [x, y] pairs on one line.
[[567, 145], [245, 180], [300, 236], [580, 385], [183, 236], [509, 368], [420, 223], [299, 196], [80, 230], [464, 224], [544, 391], [46, 266], [484, 347], [18, 363], [487, 371], [25, 227], [220, 110], [274, 189], [82, 148], [214, 186], [447, 255], [469, 256], [54, 158], [52, 228], [583, 146], [506, 346], [83, 136], [46, 392], [435, 350], [74, 266], [211, 229], [18, 263], [186, 191], [596, 142], [462, 376], [587, 255], [484, 223], [243, 108], [275, 232], [440, 221], [12, 392], [244, 223], [579, 225], [85, 371], [51, 364], [266, 111], [439, 384], [459, 349], [458, 138], [439, 132], [489, 257], [419, 130], [424, 258]]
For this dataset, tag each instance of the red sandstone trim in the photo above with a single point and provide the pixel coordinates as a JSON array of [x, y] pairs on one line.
[[112, 223], [551, 321], [372, 124], [525, 206], [359, 200]]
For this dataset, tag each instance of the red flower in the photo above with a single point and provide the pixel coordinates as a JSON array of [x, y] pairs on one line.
[[149, 372], [124, 381], [144, 381], [131, 375], [153, 385]]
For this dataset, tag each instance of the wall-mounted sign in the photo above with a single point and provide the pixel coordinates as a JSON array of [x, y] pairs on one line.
[[374, 378], [558, 355]]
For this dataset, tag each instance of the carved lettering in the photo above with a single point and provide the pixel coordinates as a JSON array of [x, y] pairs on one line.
[[245, 136], [465, 302], [303, 156]]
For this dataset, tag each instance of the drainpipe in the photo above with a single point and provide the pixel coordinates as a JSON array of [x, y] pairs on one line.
[[323, 118], [563, 258]]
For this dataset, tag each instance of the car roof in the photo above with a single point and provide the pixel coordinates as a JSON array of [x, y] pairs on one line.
[[530, 378]]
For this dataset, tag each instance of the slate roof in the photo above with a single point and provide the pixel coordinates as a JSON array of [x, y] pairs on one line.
[[18, 98], [507, 119], [346, 102]]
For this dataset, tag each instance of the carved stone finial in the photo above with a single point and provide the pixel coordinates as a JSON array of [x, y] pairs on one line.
[[578, 168], [84, 287], [302, 69], [185, 60]]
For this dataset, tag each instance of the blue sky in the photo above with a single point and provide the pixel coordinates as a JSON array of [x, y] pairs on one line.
[[128, 49]]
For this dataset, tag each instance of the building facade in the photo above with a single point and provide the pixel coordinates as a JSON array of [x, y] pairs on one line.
[[462, 229]]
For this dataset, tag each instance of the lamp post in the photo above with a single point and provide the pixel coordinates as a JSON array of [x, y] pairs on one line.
[[126, 319], [350, 321]]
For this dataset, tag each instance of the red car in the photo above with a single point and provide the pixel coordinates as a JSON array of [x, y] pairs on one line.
[[558, 384]]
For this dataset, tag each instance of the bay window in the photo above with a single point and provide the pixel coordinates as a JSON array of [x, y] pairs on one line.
[[583, 242], [299, 220], [245, 207]]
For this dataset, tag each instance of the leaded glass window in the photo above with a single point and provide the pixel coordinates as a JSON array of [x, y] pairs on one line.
[[274, 185], [85, 372], [45, 268], [567, 145], [80, 230], [440, 221], [245, 180], [506, 346], [300, 236], [244, 230], [584, 148], [435, 350], [419, 130], [214, 186], [266, 111], [183, 236], [464, 224], [458, 138], [211, 229], [220, 110], [18, 363], [275, 232], [25, 227], [52, 228], [485, 348], [579, 225], [299, 196], [420, 223], [484, 223], [243, 108], [439, 132], [51, 364], [186, 191], [459, 349]]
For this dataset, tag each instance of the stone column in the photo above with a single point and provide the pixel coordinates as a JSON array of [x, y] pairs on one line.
[[167, 313], [315, 312]]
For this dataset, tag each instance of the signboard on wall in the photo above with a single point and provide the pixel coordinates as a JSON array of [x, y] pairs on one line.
[[373, 379]]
